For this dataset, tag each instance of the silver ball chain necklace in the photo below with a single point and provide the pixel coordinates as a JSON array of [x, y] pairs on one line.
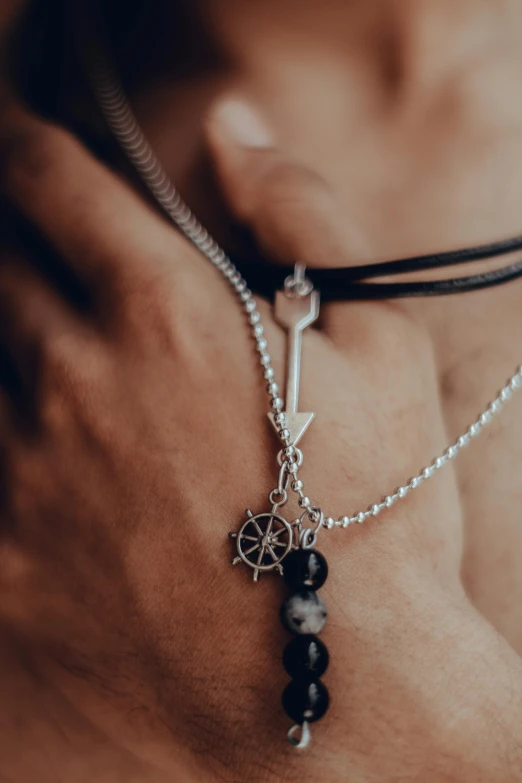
[[267, 541]]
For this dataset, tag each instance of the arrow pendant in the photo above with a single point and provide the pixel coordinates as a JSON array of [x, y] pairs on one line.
[[295, 312]]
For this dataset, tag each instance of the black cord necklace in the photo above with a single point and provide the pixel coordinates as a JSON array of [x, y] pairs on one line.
[[348, 283]]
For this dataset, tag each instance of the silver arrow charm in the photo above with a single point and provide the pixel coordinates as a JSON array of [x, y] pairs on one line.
[[295, 308]]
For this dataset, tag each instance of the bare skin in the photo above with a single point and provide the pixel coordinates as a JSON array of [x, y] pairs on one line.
[[427, 160], [130, 651]]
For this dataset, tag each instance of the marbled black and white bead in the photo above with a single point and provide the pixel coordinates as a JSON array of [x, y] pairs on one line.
[[304, 613], [306, 658]]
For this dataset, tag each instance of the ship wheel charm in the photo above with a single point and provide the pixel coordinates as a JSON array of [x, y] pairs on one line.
[[263, 542]]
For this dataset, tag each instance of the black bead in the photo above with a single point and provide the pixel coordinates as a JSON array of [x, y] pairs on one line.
[[305, 569], [304, 613], [305, 658], [305, 700]]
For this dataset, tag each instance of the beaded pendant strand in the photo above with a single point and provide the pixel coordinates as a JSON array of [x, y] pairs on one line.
[[306, 658]]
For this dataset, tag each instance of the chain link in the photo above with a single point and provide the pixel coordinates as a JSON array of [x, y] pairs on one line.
[[473, 431], [121, 120]]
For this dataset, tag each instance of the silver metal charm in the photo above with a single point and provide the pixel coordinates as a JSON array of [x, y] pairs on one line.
[[295, 308], [263, 541], [299, 736], [119, 115]]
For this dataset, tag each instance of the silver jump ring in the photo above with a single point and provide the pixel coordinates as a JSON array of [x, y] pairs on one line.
[[294, 288], [298, 284], [284, 479], [298, 453], [299, 736], [308, 535], [315, 515], [281, 494], [307, 538]]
